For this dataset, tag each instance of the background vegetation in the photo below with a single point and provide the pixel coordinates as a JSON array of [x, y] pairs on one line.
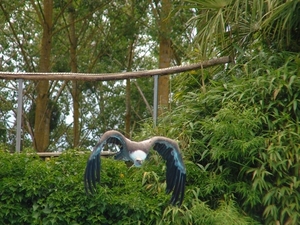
[[241, 153], [237, 124]]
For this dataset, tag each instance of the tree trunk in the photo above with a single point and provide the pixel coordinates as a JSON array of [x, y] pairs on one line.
[[165, 54], [131, 16], [43, 110], [75, 91]]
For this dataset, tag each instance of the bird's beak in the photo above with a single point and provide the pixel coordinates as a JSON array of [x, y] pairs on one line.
[[138, 162]]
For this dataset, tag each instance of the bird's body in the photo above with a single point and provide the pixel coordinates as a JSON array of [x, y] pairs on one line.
[[137, 153]]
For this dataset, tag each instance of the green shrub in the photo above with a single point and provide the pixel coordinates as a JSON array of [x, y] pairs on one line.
[[33, 191], [242, 131]]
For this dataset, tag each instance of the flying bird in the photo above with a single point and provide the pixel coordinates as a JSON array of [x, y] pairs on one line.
[[137, 153]]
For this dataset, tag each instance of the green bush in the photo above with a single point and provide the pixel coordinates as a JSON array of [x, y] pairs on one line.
[[33, 191], [242, 131]]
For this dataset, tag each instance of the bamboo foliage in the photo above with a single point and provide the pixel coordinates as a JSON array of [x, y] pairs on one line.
[[243, 135]]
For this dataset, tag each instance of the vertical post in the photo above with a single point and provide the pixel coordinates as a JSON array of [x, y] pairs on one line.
[[19, 116], [155, 100]]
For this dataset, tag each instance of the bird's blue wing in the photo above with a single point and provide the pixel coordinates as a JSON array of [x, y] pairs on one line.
[[176, 172], [93, 166]]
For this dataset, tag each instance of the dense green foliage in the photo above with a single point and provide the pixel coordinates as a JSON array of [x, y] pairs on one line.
[[240, 138], [237, 125], [243, 132], [33, 191]]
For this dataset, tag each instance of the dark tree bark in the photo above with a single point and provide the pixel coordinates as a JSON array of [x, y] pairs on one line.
[[75, 89], [165, 55], [43, 110]]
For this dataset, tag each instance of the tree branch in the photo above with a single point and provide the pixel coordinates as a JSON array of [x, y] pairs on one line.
[[114, 76]]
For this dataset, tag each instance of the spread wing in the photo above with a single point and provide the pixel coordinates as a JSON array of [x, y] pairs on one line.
[[92, 170], [176, 172]]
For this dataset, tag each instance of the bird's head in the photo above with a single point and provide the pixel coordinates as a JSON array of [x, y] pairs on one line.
[[138, 157], [138, 162]]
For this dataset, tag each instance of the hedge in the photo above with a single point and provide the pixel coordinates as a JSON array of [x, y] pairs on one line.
[[34, 191]]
